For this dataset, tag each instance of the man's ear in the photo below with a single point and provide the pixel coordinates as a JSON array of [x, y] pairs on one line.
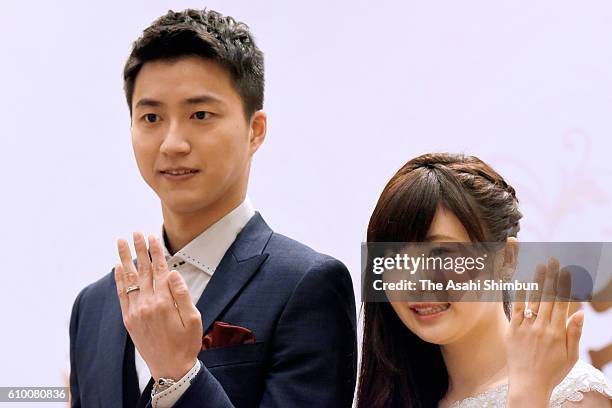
[[258, 128], [511, 252]]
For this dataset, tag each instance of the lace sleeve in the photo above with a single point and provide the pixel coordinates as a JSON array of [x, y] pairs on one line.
[[582, 378]]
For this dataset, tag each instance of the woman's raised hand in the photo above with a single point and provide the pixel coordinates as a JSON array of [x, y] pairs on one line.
[[542, 344]]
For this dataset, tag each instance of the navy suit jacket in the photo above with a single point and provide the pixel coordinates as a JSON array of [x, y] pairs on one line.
[[298, 303]]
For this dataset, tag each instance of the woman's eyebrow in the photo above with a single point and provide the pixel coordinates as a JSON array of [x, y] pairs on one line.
[[439, 237]]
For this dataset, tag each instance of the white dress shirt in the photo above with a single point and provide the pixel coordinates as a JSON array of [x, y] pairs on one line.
[[196, 262]]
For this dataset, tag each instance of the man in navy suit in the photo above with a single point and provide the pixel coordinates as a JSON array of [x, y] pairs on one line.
[[221, 311]]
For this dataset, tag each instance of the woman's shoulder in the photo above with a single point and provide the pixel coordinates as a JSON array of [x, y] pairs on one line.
[[581, 379]]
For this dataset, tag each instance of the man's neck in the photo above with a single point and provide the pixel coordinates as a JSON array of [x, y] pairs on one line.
[[181, 228]]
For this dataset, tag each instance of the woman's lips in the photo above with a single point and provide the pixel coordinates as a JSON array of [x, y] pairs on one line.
[[428, 311]]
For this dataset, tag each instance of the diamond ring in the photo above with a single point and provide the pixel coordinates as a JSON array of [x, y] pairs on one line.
[[528, 313]]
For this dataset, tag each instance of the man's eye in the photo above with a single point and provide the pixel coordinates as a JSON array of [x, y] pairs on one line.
[[151, 118], [200, 115]]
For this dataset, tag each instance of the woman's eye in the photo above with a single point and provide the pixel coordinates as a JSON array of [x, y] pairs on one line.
[[151, 117], [439, 251], [200, 115]]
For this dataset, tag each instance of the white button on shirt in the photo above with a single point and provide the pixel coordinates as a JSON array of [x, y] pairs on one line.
[[196, 262]]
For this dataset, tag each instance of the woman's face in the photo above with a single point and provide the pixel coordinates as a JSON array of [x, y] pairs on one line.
[[444, 322]]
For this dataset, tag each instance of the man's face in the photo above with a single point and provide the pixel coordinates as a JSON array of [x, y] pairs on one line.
[[191, 139]]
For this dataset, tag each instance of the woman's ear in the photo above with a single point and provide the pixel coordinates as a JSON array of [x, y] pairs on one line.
[[511, 251]]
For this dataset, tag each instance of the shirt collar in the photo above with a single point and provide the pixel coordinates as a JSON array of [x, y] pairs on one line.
[[207, 249]]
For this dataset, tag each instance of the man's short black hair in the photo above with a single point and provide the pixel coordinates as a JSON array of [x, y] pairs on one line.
[[208, 34]]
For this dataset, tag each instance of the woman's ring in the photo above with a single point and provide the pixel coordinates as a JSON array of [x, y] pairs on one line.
[[528, 313]]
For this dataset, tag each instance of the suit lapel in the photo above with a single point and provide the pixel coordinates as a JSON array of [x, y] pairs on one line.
[[239, 264], [111, 348]]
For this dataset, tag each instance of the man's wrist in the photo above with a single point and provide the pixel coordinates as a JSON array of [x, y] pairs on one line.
[[174, 373], [168, 397]]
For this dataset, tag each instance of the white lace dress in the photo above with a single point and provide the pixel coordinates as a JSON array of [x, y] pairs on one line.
[[581, 379]]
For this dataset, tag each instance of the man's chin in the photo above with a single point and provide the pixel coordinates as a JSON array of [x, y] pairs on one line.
[[185, 205]]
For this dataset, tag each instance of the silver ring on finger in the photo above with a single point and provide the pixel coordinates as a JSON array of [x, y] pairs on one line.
[[131, 289]]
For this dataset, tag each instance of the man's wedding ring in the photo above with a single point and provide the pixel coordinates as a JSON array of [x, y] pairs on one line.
[[528, 313], [131, 289]]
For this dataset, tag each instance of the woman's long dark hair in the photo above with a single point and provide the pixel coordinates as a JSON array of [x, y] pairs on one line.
[[398, 369]]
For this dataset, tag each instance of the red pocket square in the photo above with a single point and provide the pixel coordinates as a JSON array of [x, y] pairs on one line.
[[224, 335]]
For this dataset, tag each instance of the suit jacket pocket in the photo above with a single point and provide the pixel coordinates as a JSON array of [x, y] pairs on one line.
[[238, 354]]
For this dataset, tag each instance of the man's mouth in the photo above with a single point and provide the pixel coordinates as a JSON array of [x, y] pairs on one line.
[[179, 172]]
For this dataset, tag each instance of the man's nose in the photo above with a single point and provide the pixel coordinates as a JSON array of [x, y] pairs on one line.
[[175, 141]]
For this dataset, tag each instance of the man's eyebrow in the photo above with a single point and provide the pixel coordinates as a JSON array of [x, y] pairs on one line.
[[194, 100], [148, 102]]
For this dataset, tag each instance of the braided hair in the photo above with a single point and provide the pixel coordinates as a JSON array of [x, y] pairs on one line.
[[496, 199]]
